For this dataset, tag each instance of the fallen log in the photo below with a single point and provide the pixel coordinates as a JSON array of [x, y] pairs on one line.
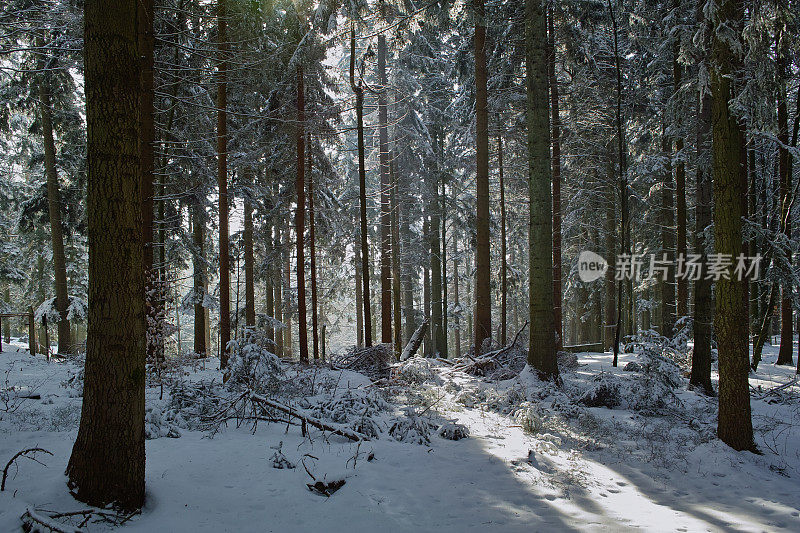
[[414, 342], [308, 419]]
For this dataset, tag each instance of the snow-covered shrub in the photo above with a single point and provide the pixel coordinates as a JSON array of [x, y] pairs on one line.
[[412, 429], [416, 370], [279, 460], [252, 365], [359, 409], [158, 423], [603, 392], [74, 383], [191, 404], [453, 431], [528, 417]]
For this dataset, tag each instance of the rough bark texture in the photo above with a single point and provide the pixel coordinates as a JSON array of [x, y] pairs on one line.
[[222, 182], [435, 247], [483, 299], [198, 241], [542, 348], [734, 424], [358, 89], [785, 353], [54, 211], [503, 259], [703, 305], [249, 281], [385, 223], [680, 192], [300, 221], [312, 244], [107, 461], [667, 283], [556, 128]]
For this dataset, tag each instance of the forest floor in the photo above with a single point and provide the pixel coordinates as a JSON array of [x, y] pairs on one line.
[[536, 459]]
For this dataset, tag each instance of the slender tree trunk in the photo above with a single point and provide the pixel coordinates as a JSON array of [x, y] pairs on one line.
[[277, 283], [362, 186], [457, 304], [680, 192], [300, 221], [542, 348], [503, 251], [785, 353], [108, 461], [54, 211], [396, 294], [313, 253], [610, 245], [359, 306], [222, 182], [287, 289], [249, 279], [7, 322], [426, 296], [198, 238], [703, 304], [386, 216], [667, 282], [734, 423], [623, 187], [556, 152]]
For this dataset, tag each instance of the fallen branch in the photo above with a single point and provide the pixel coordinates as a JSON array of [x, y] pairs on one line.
[[308, 419], [22, 453], [414, 342], [36, 522]]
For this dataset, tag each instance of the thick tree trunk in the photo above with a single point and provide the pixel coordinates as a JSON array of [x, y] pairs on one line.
[[222, 182], [54, 211], [313, 256], [435, 248], [734, 424], [483, 299], [108, 462], [556, 152], [300, 221], [542, 348]]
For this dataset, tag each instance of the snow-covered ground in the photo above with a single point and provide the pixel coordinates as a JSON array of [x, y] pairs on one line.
[[535, 460]]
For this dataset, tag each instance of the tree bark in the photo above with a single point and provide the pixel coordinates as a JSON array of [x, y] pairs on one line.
[[734, 423], [556, 153], [108, 459], [54, 211], [300, 221], [682, 283], [249, 280], [542, 347], [667, 283], [386, 216], [198, 240], [503, 252], [483, 299], [358, 89], [313, 253], [222, 182]]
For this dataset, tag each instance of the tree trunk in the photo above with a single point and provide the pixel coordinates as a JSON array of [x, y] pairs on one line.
[[435, 248], [703, 304], [222, 182], [457, 328], [249, 280], [313, 253], [667, 282], [277, 285], [556, 127], [785, 353], [680, 193], [483, 299], [358, 89], [385, 221], [54, 211], [198, 238], [734, 424], [611, 247], [396, 301], [108, 460], [300, 221], [503, 252], [542, 349]]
